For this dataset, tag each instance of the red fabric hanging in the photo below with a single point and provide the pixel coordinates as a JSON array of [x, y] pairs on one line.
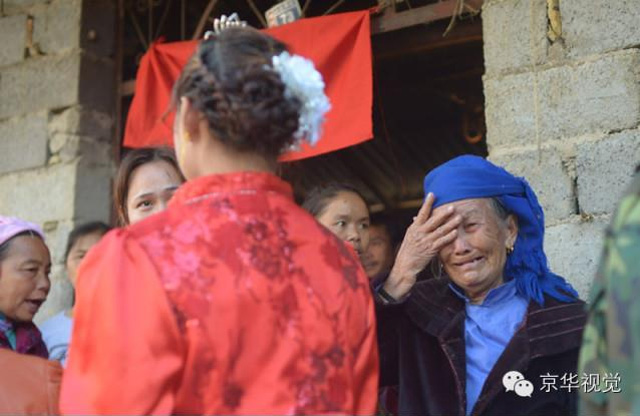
[[340, 47]]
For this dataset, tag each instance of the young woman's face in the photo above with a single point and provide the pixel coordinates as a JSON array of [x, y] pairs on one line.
[[151, 186], [24, 278], [347, 216], [78, 251]]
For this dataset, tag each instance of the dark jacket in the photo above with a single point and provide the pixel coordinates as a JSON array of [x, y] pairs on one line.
[[422, 350]]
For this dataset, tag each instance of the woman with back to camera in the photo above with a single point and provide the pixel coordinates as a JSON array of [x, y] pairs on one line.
[[146, 180], [233, 300]]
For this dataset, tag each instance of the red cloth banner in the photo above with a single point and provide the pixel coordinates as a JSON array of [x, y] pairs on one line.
[[340, 47]]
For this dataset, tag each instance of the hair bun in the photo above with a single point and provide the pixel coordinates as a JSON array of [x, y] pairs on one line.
[[244, 100]]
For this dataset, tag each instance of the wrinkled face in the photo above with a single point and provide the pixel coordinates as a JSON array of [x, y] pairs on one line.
[[78, 251], [151, 186], [475, 260], [24, 278], [379, 255], [347, 216]]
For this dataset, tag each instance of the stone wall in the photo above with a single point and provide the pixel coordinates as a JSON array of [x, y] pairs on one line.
[[563, 110], [57, 94]]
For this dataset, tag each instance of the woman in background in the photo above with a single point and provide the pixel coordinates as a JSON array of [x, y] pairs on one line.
[[233, 300], [478, 338], [25, 264], [342, 209], [56, 331], [146, 180], [29, 383]]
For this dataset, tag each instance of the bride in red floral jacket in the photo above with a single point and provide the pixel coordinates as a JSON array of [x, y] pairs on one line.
[[233, 300]]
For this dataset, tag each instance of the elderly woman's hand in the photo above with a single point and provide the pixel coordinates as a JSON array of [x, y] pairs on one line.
[[424, 238]]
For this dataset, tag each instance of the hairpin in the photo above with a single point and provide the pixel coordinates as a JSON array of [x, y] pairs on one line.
[[223, 23]]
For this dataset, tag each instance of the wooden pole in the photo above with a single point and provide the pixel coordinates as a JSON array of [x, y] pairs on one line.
[[197, 34]]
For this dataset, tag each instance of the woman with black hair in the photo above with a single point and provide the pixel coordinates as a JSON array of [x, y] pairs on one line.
[[233, 300], [342, 209]]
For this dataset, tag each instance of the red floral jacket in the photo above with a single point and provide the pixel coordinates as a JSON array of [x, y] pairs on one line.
[[232, 301]]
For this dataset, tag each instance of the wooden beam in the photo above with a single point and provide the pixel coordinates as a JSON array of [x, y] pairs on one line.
[[410, 41], [419, 40], [390, 20], [197, 34]]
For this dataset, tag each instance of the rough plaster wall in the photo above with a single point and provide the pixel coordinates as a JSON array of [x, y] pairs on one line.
[[566, 115], [56, 122]]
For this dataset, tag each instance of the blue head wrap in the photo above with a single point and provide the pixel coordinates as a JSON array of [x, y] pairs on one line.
[[469, 177]]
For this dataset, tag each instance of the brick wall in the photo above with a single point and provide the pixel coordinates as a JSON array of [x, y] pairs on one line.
[[56, 119], [565, 114]]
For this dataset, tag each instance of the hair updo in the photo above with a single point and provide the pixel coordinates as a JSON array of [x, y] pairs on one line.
[[231, 81]]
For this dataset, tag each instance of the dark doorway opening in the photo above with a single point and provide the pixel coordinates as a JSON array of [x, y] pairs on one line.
[[428, 108]]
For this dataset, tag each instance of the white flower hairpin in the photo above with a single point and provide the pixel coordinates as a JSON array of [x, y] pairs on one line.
[[223, 22], [303, 81]]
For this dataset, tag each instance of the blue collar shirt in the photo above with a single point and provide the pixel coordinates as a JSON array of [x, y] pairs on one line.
[[489, 326]]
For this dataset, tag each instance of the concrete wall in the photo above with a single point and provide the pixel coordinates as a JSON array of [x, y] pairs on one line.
[[565, 114], [57, 97]]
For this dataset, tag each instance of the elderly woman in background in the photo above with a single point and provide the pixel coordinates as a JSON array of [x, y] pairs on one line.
[[25, 264], [480, 338], [29, 383]]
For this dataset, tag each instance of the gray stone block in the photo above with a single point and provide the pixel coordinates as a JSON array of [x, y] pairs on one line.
[[596, 26], [514, 34], [20, 6], [56, 233], [67, 147], [56, 27], [23, 143], [605, 169], [509, 110], [82, 121], [40, 83], [39, 195], [596, 96], [548, 175], [573, 250], [13, 31], [592, 97]]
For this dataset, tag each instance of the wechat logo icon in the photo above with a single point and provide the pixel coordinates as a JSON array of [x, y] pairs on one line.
[[514, 381]]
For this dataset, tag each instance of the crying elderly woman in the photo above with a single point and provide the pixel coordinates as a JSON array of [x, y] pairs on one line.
[[495, 314]]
